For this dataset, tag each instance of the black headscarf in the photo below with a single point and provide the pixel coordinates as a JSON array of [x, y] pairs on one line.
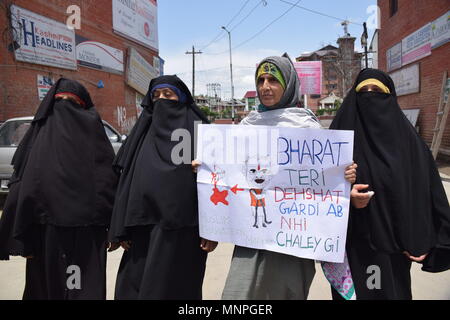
[[62, 169], [152, 189], [409, 211]]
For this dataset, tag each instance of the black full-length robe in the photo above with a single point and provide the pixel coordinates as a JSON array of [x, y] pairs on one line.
[[156, 205], [409, 211], [60, 200]]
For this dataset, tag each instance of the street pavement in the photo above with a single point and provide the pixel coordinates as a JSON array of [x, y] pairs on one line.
[[425, 286]]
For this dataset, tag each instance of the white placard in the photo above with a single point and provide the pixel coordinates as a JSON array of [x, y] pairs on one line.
[[43, 40], [275, 188], [137, 20]]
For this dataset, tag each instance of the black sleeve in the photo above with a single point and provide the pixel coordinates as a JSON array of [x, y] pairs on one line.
[[438, 259]]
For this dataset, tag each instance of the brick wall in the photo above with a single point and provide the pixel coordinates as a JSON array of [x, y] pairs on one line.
[[18, 80], [412, 15]]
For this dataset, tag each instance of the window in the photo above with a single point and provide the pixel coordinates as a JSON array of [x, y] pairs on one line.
[[393, 7], [113, 137], [12, 132]]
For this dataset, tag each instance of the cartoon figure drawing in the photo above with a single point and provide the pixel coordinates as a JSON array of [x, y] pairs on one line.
[[258, 176]]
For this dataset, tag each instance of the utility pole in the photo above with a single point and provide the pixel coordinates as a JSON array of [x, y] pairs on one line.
[[231, 73], [364, 39], [193, 52]]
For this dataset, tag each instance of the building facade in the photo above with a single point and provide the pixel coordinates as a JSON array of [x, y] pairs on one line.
[[414, 48], [85, 40], [340, 66], [251, 100]]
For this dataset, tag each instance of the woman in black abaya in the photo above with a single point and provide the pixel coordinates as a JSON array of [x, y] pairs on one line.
[[155, 215], [408, 218], [61, 198]]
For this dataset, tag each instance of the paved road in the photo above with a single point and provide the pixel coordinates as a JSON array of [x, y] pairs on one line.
[[425, 286]]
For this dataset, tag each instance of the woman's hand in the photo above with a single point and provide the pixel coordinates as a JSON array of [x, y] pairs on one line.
[[208, 245], [350, 173], [415, 259], [195, 164], [360, 199]]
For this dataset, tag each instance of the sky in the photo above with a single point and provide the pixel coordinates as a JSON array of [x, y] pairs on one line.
[[259, 28]]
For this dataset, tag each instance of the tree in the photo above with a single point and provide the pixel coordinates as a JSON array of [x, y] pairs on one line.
[[210, 114]]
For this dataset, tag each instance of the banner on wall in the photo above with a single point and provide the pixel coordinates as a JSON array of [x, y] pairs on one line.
[[139, 72], [417, 45], [440, 29], [407, 80], [310, 75], [44, 84], [42, 40], [137, 20], [394, 57], [96, 55]]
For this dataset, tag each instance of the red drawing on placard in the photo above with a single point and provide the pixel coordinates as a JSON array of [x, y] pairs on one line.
[[235, 189], [219, 196]]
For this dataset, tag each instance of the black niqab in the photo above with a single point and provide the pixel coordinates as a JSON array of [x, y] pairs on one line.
[[409, 211], [62, 170], [152, 189]]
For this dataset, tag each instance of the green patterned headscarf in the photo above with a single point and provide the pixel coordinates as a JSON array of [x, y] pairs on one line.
[[283, 70], [270, 68]]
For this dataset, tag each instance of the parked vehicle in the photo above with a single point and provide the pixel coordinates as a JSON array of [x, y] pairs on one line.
[[11, 133]]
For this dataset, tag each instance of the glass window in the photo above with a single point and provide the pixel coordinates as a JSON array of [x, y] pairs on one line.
[[12, 132], [113, 137], [393, 6]]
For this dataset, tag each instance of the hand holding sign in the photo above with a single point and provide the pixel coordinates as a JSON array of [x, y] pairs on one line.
[[360, 199], [350, 173]]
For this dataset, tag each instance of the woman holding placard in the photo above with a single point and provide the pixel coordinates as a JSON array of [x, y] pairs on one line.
[[262, 274]]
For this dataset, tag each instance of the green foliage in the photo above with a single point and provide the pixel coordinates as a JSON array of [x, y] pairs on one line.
[[210, 114], [337, 105]]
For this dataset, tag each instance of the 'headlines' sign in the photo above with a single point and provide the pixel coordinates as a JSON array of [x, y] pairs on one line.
[[42, 40]]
